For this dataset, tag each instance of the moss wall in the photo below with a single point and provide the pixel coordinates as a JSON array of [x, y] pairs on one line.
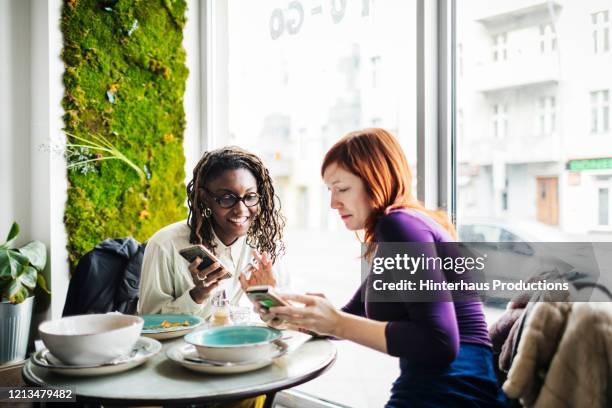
[[124, 80]]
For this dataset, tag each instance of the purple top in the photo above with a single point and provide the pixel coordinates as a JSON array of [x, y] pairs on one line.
[[425, 334]]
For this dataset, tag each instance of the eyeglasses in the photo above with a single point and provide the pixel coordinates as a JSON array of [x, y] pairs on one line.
[[230, 200]]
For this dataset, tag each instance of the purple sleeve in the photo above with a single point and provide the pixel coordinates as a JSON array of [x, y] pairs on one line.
[[355, 306], [429, 334]]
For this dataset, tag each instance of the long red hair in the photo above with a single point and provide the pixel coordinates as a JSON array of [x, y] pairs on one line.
[[376, 157]]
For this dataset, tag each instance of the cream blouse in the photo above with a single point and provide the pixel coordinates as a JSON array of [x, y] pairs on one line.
[[165, 279]]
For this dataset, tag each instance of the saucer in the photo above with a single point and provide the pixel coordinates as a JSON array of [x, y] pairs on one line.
[[187, 356], [153, 322], [143, 350]]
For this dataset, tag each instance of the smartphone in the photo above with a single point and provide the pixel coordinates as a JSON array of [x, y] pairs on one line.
[[264, 296], [207, 257]]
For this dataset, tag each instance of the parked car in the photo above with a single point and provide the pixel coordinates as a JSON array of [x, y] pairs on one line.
[[521, 250]]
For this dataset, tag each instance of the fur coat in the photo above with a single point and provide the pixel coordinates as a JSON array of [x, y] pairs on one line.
[[564, 358]]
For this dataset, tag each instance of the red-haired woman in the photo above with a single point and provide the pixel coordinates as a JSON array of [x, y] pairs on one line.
[[444, 347]]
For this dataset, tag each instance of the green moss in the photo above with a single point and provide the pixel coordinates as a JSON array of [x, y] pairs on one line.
[[132, 51]]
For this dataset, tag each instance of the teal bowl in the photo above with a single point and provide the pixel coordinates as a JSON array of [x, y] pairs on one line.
[[235, 343]]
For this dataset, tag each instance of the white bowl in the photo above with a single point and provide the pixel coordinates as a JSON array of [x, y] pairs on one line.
[[91, 339], [235, 344]]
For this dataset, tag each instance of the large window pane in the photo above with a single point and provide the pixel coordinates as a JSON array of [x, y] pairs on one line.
[[546, 178], [534, 148], [301, 74]]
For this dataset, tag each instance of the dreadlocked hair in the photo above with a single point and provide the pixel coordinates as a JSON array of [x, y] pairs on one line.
[[265, 232]]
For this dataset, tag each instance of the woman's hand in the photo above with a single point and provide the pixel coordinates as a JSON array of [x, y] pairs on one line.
[[269, 318], [261, 272], [317, 315], [205, 280]]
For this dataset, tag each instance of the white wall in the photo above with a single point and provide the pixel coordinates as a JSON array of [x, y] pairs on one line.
[[15, 158], [33, 182]]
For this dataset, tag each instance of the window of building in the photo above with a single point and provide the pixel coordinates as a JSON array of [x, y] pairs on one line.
[[500, 121], [601, 31], [374, 63], [604, 206], [505, 200], [600, 111], [548, 39], [500, 47], [547, 115]]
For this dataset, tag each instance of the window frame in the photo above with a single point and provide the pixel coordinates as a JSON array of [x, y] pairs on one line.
[[600, 111], [602, 31], [214, 58], [546, 108], [500, 47], [500, 121], [548, 38], [436, 105]]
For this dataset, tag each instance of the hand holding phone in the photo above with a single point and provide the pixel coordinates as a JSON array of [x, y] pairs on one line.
[[264, 296], [206, 271], [206, 256]]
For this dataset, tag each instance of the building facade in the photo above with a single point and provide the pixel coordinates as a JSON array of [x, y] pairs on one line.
[[533, 112]]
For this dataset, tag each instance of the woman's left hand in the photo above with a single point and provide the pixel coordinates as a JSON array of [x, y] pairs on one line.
[[261, 272], [318, 314]]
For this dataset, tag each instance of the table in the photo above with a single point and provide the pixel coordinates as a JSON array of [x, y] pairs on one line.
[[161, 381]]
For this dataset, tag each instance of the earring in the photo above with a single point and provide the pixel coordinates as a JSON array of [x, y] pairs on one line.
[[207, 212]]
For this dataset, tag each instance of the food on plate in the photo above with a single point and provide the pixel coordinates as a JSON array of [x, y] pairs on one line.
[[166, 325]]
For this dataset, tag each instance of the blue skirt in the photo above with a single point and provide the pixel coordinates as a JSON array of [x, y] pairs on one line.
[[469, 381]]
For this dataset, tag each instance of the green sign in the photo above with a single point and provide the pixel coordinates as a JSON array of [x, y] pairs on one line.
[[590, 164]]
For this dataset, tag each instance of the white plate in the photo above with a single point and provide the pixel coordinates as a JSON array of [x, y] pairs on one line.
[[171, 332], [143, 350], [165, 335], [180, 352]]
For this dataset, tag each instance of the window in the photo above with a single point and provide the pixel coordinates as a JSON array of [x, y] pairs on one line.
[[500, 121], [547, 115], [604, 206], [547, 187], [600, 111], [300, 75], [505, 200], [601, 31], [374, 63], [500, 47], [548, 39]]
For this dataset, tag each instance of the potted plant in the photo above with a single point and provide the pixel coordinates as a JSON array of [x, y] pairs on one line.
[[20, 273]]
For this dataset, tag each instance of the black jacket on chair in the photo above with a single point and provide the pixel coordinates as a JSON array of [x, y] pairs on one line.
[[106, 279]]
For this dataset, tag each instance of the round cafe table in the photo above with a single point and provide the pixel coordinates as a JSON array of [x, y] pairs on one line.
[[161, 381]]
